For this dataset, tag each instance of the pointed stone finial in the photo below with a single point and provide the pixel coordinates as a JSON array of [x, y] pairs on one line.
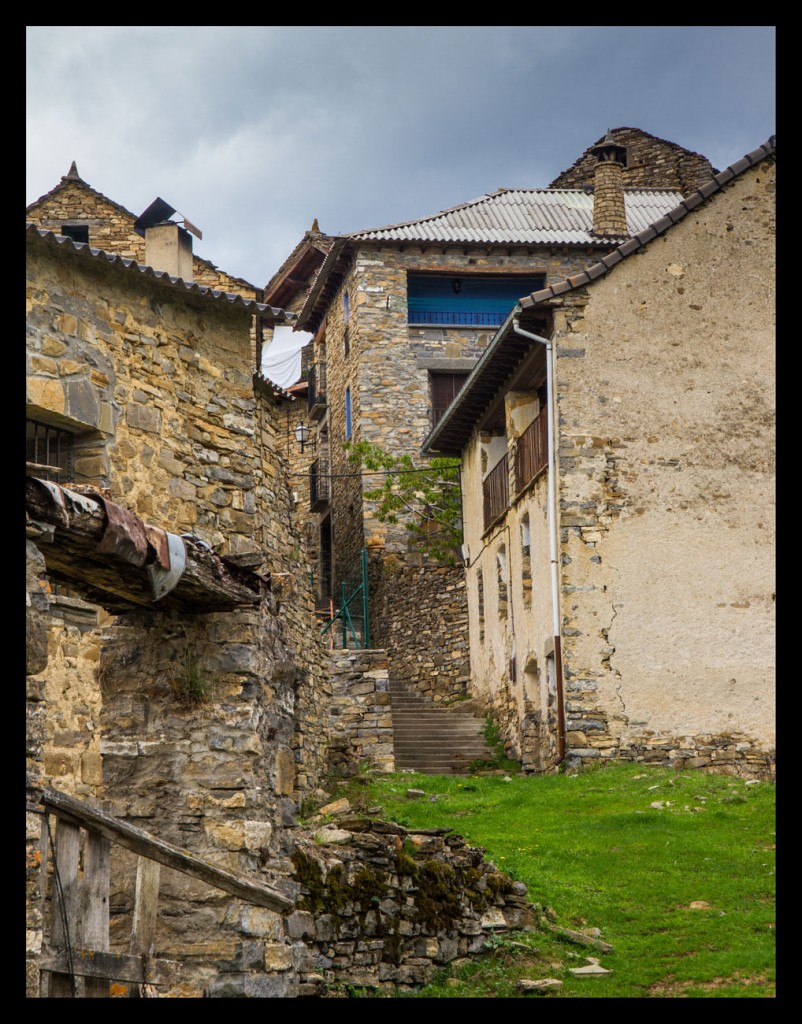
[[315, 227], [72, 174]]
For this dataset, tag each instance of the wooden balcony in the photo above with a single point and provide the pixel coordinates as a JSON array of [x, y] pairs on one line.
[[496, 491], [532, 451]]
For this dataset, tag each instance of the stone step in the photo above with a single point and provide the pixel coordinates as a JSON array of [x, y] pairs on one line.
[[431, 739]]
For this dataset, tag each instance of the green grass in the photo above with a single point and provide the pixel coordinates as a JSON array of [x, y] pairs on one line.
[[591, 847]]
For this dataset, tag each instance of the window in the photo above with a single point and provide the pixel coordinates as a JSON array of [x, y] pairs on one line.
[[77, 232], [348, 414], [526, 560], [346, 329], [465, 301], [445, 387], [501, 569], [48, 449]]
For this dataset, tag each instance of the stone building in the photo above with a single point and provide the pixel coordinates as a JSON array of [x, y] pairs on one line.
[[400, 315], [617, 445], [181, 683]]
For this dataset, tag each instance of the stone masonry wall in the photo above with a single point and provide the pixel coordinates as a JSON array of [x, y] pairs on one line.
[[388, 371], [35, 719], [421, 617], [651, 163], [111, 228], [383, 908], [198, 736], [666, 461], [360, 726]]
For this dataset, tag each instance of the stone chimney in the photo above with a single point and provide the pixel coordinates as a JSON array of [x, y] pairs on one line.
[[168, 247], [609, 214]]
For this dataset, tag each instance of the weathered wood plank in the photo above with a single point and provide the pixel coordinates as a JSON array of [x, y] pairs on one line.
[[146, 897], [208, 583], [91, 963], [65, 902], [72, 809], [93, 923]]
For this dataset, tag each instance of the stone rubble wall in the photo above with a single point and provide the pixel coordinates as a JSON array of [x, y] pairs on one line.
[[382, 908], [359, 723], [420, 616], [194, 717], [36, 718], [651, 163]]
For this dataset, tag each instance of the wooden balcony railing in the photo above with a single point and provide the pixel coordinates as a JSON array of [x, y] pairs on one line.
[[76, 959], [496, 490], [532, 451]]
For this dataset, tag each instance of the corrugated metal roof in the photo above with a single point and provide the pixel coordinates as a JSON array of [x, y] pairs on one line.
[[85, 250], [526, 217]]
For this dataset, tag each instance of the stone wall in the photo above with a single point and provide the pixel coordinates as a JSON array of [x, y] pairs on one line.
[[111, 228], [388, 370], [420, 616], [666, 494], [651, 163], [36, 716], [196, 713], [383, 908], [360, 726]]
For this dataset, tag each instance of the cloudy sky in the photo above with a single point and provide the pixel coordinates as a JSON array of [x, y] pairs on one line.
[[252, 132]]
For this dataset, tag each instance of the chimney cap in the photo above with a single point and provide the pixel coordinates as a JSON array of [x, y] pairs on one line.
[[608, 150], [158, 212]]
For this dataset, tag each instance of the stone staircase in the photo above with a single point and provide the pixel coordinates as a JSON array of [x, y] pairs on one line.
[[431, 739]]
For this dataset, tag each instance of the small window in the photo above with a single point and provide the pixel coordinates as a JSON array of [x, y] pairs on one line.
[[348, 414], [526, 560], [48, 451], [444, 387], [346, 307], [501, 568], [77, 232]]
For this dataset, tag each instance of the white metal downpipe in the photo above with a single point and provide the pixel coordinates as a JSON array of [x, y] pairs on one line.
[[555, 586], [552, 511]]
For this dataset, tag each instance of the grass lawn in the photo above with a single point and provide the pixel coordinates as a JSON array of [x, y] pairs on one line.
[[676, 870]]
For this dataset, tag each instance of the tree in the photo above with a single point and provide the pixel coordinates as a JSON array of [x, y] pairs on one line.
[[426, 498]]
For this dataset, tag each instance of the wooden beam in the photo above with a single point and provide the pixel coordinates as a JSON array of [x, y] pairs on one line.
[[71, 809], [97, 965], [146, 897], [70, 549], [65, 904], [93, 922]]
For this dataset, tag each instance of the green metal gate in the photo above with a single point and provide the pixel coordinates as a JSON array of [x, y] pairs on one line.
[[350, 624]]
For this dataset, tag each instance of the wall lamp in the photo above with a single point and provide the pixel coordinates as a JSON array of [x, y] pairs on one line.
[[302, 435]]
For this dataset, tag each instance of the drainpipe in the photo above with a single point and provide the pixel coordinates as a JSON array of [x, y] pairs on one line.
[[555, 586]]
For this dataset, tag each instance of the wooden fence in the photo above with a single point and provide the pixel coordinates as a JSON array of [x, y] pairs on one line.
[[76, 961]]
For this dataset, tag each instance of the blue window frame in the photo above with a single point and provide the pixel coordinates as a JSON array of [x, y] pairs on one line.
[[348, 414], [468, 300]]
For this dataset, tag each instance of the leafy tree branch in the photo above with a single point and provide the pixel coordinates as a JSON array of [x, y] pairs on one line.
[[425, 498]]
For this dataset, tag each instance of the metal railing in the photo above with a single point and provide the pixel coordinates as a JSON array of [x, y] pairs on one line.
[[532, 451], [316, 400], [496, 490], [319, 484], [462, 319], [352, 615]]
